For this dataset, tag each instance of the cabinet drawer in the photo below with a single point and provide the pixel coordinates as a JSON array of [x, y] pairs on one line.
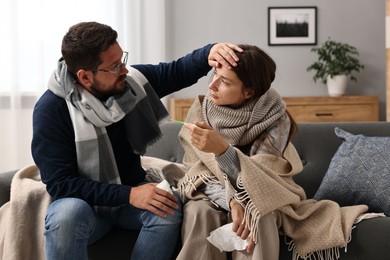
[[332, 113], [310, 109], [178, 107]]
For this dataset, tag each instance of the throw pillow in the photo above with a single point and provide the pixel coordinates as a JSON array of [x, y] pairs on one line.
[[359, 173]]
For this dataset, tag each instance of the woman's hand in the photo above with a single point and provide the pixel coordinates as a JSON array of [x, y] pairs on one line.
[[239, 224], [206, 139], [222, 54]]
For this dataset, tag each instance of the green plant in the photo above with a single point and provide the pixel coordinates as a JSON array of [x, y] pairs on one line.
[[335, 58]]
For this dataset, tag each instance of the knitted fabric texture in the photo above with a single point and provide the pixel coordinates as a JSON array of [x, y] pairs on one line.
[[314, 227], [241, 126]]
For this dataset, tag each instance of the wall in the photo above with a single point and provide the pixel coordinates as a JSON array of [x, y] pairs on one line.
[[190, 24], [361, 23], [141, 32], [17, 132]]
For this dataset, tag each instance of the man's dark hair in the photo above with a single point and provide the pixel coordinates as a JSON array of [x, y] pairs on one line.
[[83, 43]]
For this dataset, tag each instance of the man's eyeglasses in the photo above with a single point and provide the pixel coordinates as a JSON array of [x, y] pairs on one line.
[[118, 68]]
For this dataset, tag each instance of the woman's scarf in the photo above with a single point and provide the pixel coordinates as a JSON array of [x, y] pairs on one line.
[[240, 126], [138, 105], [267, 184]]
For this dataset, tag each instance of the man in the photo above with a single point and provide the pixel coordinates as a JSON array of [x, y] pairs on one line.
[[90, 128]]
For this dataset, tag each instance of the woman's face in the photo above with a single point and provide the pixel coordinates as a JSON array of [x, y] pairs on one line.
[[226, 89]]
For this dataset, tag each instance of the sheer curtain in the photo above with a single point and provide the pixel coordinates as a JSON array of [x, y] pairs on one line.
[[31, 34]]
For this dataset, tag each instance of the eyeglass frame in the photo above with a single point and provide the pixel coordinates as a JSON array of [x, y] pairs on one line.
[[118, 67]]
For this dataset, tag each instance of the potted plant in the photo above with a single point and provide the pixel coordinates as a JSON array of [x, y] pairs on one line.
[[336, 63]]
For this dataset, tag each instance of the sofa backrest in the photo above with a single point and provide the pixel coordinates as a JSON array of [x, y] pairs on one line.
[[168, 147], [316, 144]]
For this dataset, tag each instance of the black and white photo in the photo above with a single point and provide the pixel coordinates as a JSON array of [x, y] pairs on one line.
[[292, 25]]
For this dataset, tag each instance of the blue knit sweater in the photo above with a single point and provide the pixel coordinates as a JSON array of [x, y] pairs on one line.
[[53, 143]]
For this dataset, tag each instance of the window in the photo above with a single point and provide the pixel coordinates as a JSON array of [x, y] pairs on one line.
[[32, 32]]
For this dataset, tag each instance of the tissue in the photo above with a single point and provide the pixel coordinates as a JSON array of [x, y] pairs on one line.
[[164, 185], [226, 240]]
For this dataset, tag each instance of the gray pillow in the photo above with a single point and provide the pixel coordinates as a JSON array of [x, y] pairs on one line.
[[359, 173]]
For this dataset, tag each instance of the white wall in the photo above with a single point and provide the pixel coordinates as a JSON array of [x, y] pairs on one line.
[[139, 16], [358, 22], [16, 132]]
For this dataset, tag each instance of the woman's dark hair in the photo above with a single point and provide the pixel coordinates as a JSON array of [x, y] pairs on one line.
[[83, 43], [256, 69]]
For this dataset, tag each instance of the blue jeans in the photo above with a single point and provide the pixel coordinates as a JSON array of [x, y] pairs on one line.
[[72, 224]]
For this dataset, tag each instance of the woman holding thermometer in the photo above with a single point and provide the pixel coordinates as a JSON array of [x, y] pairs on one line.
[[240, 163]]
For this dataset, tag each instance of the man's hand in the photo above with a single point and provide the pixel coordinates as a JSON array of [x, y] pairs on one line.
[[239, 224], [153, 199], [206, 139], [222, 54]]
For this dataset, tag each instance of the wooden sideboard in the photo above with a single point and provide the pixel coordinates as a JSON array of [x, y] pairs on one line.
[[333, 109], [309, 109]]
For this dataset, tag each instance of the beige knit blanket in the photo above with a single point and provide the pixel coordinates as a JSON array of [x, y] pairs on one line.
[[314, 226], [22, 218]]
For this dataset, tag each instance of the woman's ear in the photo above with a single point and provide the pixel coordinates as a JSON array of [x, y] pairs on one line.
[[248, 93]]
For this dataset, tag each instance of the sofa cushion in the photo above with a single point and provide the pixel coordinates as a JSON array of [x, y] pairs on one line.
[[359, 173], [169, 147], [5, 186]]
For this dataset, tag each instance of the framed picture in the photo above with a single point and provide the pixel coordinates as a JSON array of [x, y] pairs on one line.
[[292, 25]]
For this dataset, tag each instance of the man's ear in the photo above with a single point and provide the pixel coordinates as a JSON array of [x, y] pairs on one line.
[[85, 78]]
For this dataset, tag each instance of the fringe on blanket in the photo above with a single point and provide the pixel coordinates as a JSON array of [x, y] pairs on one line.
[[251, 213], [188, 184], [252, 216], [326, 254], [330, 253]]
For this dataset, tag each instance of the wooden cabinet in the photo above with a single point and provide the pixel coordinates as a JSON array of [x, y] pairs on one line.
[[333, 109], [178, 107], [309, 109]]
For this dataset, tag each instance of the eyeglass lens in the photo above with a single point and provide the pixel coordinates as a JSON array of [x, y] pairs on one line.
[[122, 64]]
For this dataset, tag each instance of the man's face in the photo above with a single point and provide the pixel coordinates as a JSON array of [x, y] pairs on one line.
[[105, 81]]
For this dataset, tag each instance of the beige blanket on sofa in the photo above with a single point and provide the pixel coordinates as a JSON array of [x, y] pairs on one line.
[[22, 218], [318, 228]]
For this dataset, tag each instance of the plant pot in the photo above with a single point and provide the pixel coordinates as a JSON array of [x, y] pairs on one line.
[[336, 85]]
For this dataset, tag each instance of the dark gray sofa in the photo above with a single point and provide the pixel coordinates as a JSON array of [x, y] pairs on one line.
[[316, 144]]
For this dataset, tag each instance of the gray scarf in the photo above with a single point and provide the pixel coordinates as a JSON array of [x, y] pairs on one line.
[[138, 105], [240, 126]]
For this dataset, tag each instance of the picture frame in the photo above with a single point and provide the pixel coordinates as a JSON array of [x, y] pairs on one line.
[[292, 25]]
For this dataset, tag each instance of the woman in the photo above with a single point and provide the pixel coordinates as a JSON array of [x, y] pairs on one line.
[[240, 164]]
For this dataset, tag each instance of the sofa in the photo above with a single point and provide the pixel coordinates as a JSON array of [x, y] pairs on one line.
[[316, 144]]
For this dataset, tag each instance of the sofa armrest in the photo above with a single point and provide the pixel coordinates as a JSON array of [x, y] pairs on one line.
[[5, 186]]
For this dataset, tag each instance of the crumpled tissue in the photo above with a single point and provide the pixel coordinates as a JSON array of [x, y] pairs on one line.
[[164, 185], [226, 240]]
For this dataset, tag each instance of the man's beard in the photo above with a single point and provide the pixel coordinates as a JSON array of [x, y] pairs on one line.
[[112, 90]]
